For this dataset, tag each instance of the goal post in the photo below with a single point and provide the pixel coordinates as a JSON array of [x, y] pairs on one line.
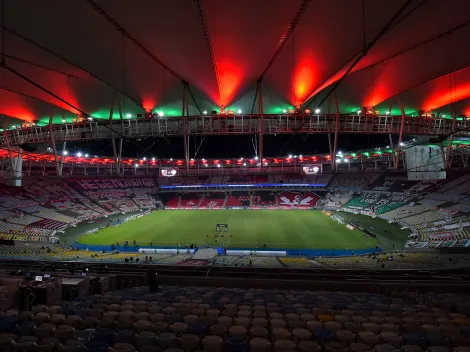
[[221, 228]]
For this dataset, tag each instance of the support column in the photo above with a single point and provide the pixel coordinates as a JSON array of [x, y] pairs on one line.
[[54, 149], [61, 162], [400, 136], [184, 113], [448, 159], [15, 159], [335, 143], [261, 124], [392, 147], [116, 153]]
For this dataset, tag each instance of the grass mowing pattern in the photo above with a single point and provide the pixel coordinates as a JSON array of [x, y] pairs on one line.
[[247, 229]]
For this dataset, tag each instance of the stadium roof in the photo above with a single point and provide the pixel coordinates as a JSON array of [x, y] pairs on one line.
[[364, 52]]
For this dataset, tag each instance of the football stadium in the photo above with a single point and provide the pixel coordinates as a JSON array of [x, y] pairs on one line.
[[234, 175]]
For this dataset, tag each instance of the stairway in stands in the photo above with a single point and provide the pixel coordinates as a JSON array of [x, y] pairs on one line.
[[226, 199], [206, 253]]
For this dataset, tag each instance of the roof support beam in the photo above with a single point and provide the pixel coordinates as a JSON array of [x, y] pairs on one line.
[[99, 10], [208, 40], [49, 51], [286, 35], [384, 30]]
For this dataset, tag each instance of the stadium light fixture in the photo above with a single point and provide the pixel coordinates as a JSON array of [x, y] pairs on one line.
[[161, 113], [128, 115], [239, 111], [317, 111], [204, 112], [79, 154]]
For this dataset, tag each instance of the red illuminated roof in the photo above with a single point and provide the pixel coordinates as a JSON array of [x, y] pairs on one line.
[[146, 49]]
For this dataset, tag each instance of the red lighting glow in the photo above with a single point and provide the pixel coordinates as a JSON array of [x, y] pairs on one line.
[[304, 78]]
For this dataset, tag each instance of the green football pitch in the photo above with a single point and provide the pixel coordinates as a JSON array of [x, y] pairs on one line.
[[246, 229]]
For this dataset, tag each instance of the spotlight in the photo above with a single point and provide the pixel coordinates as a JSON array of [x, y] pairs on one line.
[[284, 111], [153, 159], [79, 154], [161, 114], [145, 158], [218, 165], [244, 164], [317, 111], [204, 112], [65, 152], [128, 115], [86, 155], [300, 156], [290, 156], [256, 158], [239, 111]]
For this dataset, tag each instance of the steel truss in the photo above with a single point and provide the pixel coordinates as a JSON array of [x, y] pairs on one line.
[[261, 124], [47, 167]]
